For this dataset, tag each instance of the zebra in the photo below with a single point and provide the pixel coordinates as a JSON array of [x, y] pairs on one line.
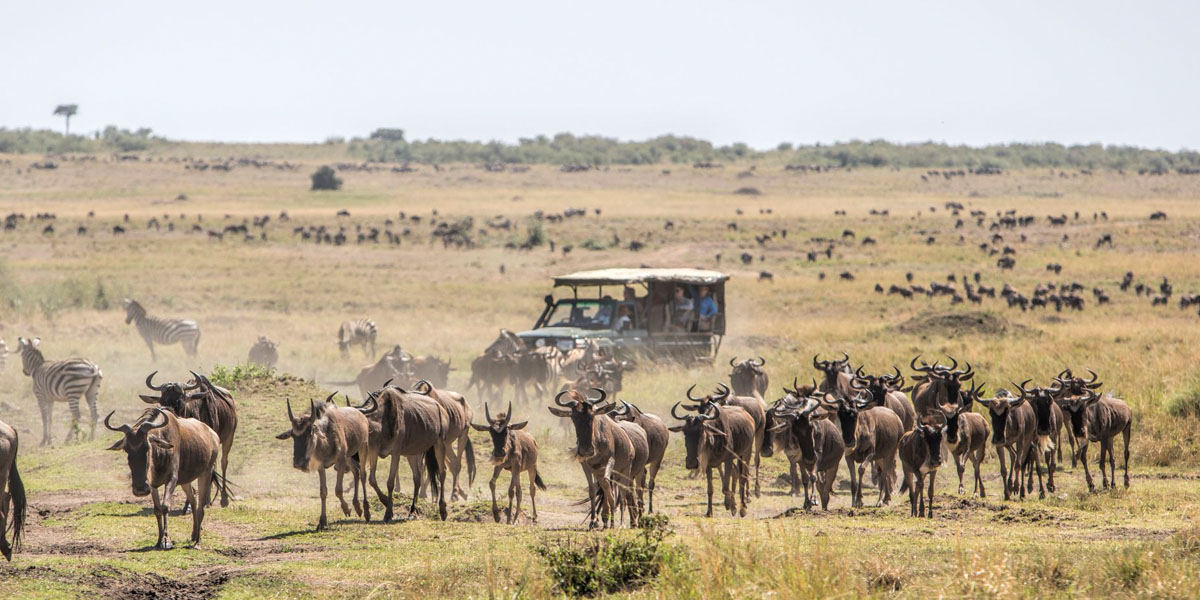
[[163, 331], [3, 355], [61, 381], [357, 331]]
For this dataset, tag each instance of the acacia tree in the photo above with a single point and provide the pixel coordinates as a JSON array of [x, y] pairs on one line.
[[68, 111]]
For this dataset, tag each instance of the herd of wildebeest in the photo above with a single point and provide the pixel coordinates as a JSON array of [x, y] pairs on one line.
[[184, 438]]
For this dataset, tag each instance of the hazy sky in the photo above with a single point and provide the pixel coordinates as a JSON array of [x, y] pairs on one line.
[[757, 72]]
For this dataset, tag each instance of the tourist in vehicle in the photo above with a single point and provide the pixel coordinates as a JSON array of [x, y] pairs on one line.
[[706, 308], [624, 318], [682, 309]]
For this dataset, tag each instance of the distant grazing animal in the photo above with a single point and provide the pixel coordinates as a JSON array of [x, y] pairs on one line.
[[164, 451], [330, 436], [513, 450], [211, 404], [61, 381], [357, 331], [12, 493], [162, 331], [264, 352]]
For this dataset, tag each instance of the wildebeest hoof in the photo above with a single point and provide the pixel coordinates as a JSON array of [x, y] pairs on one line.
[[165, 545]]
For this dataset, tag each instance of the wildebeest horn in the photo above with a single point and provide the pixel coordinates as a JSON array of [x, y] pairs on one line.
[[689, 394], [148, 425], [673, 411], [508, 415], [123, 428], [845, 358], [938, 417], [761, 362], [858, 372], [854, 383], [810, 406], [330, 398], [966, 373], [558, 398], [622, 408], [1064, 373], [1092, 382], [428, 387], [953, 363], [603, 395], [487, 413], [195, 382], [724, 389], [714, 412], [150, 382], [291, 417], [374, 405], [733, 362], [924, 368], [817, 364], [1021, 386]]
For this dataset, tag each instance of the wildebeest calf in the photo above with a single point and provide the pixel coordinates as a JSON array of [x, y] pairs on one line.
[[516, 451]]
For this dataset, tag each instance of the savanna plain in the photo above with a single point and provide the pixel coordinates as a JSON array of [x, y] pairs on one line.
[[88, 536]]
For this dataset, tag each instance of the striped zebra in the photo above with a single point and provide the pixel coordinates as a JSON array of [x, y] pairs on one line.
[[357, 331], [61, 381], [163, 331]]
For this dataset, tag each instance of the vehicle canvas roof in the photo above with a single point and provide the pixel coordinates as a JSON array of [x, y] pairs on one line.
[[623, 276]]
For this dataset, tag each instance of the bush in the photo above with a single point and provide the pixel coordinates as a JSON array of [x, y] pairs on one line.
[[326, 179], [536, 236], [1186, 403], [231, 377], [590, 565]]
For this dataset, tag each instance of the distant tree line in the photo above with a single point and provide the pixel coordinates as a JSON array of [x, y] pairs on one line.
[[391, 145]]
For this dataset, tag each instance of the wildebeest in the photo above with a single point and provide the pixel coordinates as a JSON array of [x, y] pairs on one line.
[[938, 385], [1099, 419], [719, 437], [458, 440], [1013, 430], [884, 390], [392, 366], [1048, 421], [871, 435], [210, 404], [598, 440], [748, 377], [514, 450], [413, 426], [920, 453], [753, 405], [966, 437], [330, 436], [164, 450], [264, 352], [657, 437], [12, 493], [836, 375], [432, 369], [809, 438]]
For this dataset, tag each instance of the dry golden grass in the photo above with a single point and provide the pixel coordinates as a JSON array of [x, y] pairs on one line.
[[451, 302]]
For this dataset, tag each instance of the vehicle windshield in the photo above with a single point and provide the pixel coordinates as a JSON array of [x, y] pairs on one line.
[[587, 314]]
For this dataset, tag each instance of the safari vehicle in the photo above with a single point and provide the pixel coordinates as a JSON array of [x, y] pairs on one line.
[[637, 313]]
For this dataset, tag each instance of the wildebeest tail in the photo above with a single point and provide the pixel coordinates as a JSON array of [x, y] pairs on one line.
[[16, 489], [537, 480], [470, 449], [434, 469]]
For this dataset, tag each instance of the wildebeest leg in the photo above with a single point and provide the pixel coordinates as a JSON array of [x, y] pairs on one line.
[[854, 500], [745, 479], [708, 473], [514, 488], [885, 483], [1110, 443], [1052, 463], [455, 465], [1125, 433], [806, 479], [1087, 474], [224, 469], [757, 459], [976, 458], [888, 477], [913, 491], [1071, 441], [533, 492], [641, 492], [340, 468], [591, 484], [415, 466], [726, 475], [795, 478], [1000, 452], [932, 475], [609, 508], [360, 478], [652, 475], [440, 451], [322, 523], [1103, 468], [46, 407], [160, 517], [1038, 456], [960, 463], [862, 470], [825, 486], [492, 486]]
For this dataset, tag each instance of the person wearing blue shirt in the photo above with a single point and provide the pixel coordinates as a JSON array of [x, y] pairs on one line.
[[706, 306]]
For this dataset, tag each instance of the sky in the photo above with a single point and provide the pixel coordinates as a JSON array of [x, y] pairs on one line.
[[755, 72]]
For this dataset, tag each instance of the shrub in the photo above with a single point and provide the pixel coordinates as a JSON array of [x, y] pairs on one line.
[[326, 178], [586, 566], [536, 235], [1186, 402], [231, 377]]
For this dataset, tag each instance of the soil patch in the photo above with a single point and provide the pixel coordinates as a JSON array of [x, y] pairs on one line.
[[957, 324]]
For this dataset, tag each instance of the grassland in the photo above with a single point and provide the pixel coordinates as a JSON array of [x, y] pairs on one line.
[[88, 534]]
